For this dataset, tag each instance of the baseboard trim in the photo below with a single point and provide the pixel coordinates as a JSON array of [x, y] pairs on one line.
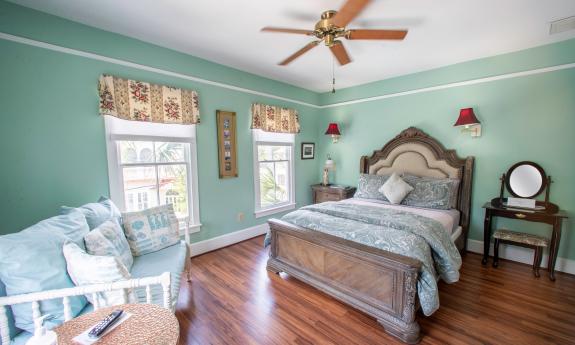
[[523, 255], [205, 246]]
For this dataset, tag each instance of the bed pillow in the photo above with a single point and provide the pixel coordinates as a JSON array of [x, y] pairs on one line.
[[96, 213], [31, 260], [109, 239], [429, 192], [150, 230], [86, 269], [368, 187], [395, 189]]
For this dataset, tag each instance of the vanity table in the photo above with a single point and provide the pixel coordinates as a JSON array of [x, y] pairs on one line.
[[525, 180]]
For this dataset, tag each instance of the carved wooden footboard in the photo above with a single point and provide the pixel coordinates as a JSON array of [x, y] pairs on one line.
[[377, 282]]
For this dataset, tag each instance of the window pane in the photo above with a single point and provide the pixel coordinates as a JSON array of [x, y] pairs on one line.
[[272, 152], [171, 152], [282, 181], [140, 188], [274, 183], [136, 151], [173, 182], [267, 184]]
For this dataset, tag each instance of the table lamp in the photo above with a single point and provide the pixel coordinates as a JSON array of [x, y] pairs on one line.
[[329, 165]]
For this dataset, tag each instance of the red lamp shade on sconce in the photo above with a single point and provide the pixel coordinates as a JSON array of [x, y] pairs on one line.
[[470, 122], [333, 130]]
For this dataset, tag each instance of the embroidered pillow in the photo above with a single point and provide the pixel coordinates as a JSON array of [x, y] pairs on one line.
[[150, 230], [395, 189], [86, 269], [368, 187], [429, 192], [109, 239]]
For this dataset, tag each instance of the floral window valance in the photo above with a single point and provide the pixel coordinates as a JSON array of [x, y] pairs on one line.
[[140, 101], [275, 119]]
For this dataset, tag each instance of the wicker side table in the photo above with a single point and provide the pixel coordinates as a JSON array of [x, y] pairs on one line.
[[149, 324]]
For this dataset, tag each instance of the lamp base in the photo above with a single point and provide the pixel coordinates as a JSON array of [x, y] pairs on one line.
[[475, 130], [325, 178]]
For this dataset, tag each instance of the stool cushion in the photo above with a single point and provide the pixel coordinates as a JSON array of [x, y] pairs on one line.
[[521, 237]]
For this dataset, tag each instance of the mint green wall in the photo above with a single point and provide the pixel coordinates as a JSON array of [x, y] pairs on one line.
[[524, 118], [52, 138]]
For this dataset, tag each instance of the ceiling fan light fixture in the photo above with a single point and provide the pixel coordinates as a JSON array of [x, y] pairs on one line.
[[332, 26]]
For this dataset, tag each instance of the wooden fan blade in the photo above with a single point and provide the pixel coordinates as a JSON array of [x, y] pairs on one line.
[[287, 30], [299, 53], [375, 34], [349, 11], [340, 53]]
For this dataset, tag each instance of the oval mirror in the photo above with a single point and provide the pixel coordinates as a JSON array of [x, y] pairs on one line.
[[526, 180]]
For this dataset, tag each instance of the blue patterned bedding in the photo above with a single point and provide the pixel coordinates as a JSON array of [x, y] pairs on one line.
[[393, 230]]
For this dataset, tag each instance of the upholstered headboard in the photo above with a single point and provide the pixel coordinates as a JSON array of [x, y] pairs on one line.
[[416, 153]]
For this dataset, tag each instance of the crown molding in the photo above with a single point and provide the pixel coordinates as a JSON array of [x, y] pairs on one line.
[[88, 55], [92, 56]]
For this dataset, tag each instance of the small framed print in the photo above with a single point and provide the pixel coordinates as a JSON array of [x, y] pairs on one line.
[[307, 150], [227, 153]]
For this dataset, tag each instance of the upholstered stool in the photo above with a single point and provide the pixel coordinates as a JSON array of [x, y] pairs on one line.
[[523, 240]]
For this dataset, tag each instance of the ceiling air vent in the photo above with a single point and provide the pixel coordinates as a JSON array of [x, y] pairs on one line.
[[562, 25]]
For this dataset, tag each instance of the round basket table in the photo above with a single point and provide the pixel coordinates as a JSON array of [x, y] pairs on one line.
[[149, 324]]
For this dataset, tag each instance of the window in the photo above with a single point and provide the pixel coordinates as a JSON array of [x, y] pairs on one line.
[[153, 164], [273, 172]]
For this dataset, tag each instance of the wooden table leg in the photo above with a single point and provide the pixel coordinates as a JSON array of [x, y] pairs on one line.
[[554, 248], [486, 236]]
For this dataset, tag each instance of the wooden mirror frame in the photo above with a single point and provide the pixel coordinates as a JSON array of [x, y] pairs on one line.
[[536, 166]]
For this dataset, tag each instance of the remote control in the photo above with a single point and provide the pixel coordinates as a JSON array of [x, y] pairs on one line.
[[103, 325]]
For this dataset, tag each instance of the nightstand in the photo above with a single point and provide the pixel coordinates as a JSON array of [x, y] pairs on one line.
[[332, 192]]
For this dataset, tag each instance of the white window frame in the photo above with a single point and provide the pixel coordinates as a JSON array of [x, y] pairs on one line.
[[123, 130], [268, 139]]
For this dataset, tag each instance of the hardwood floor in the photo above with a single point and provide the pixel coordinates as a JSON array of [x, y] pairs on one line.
[[232, 299]]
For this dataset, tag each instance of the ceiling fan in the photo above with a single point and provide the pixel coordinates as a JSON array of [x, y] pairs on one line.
[[332, 25]]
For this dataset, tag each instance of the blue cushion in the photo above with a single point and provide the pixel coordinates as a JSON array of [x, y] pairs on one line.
[[21, 339], [32, 260], [170, 259], [96, 213], [12, 330]]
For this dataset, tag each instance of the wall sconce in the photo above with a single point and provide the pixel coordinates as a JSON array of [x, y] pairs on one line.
[[469, 122], [329, 165], [333, 130]]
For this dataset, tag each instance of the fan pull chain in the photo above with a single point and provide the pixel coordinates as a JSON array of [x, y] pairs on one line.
[[333, 75]]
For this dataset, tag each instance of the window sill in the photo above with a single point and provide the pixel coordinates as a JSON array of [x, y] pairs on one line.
[[273, 210], [192, 228]]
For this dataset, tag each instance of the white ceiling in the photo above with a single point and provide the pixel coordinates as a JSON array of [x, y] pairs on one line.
[[441, 32]]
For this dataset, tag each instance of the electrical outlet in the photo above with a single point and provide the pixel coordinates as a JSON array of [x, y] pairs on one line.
[[240, 216]]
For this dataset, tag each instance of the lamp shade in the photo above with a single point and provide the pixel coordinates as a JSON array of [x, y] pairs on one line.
[[332, 129], [329, 164], [466, 118]]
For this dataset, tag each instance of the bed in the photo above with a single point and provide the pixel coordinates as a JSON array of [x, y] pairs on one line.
[[379, 282]]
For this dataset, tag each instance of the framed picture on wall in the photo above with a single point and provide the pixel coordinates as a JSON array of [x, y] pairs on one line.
[[307, 150], [227, 152]]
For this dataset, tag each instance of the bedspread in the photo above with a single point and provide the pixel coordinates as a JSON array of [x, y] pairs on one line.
[[392, 230]]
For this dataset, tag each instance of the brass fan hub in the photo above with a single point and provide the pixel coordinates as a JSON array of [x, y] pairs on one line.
[[325, 29]]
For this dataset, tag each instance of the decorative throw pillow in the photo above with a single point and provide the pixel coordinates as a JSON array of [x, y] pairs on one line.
[[96, 213], [368, 187], [31, 261], [86, 269], [429, 192], [395, 189], [150, 230], [109, 239]]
